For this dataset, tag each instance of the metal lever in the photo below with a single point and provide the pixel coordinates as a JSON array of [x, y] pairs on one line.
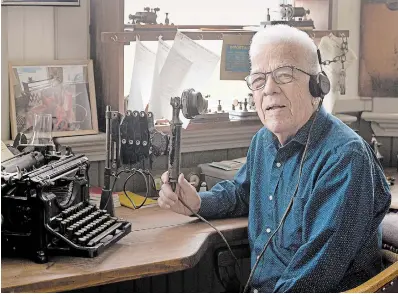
[[106, 194], [175, 143], [191, 103]]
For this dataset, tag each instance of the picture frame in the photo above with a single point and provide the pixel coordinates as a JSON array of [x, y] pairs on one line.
[[63, 88], [40, 2]]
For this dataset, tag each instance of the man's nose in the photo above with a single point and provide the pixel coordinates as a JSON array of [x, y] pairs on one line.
[[270, 86]]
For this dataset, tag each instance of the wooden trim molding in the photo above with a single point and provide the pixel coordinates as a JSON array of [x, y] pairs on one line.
[[353, 105], [207, 137], [92, 146], [383, 124], [198, 137], [345, 118]]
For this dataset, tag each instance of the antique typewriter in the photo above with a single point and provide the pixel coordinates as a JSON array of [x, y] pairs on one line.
[[45, 206]]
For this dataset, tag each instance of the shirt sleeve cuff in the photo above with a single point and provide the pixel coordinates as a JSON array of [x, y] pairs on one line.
[[209, 205]]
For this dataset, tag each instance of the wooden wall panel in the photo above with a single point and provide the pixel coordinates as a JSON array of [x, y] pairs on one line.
[[15, 32], [5, 102], [201, 278], [72, 31], [378, 67], [319, 12], [38, 33]]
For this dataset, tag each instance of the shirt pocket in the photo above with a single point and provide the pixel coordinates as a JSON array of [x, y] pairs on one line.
[[290, 234]]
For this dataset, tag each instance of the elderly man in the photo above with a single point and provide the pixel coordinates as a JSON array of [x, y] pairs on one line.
[[322, 211]]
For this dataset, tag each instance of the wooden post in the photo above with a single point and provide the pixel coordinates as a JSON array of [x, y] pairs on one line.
[[108, 58]]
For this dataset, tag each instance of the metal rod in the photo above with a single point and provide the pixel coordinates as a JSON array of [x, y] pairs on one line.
[[106, 194], [108, 136]]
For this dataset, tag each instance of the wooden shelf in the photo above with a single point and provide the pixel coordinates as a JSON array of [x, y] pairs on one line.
[[153, 35]]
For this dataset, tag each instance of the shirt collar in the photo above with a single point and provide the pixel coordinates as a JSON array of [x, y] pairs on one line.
[[302, 134]]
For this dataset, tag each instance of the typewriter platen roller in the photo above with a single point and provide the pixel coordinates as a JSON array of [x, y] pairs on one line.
[[45, 207]]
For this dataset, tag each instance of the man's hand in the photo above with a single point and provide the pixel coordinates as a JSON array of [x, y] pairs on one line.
[[185, 191]]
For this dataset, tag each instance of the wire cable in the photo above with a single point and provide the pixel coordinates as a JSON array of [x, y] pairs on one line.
[[153, 182], [124, 190], [147, 189], [217, 230], [289, 205], [116, 177], [144, 174]]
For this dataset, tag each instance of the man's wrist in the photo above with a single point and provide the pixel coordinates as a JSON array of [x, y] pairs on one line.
[[197, 210]]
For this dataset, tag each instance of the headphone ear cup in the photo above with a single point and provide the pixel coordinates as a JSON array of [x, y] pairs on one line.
[[314, 87], [323, 83], [319, 85]]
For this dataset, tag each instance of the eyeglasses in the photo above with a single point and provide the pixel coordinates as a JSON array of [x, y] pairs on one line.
[[281, 75]]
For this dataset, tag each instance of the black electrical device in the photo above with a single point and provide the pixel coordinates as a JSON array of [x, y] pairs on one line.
[[132, 138]]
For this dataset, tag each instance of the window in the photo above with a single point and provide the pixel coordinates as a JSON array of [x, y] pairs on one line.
[[206, 12]]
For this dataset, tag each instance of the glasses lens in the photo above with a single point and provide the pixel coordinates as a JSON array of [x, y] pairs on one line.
[[255, 81], [283, 75]]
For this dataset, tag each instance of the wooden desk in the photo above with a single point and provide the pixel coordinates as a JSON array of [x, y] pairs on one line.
[[160, 242]]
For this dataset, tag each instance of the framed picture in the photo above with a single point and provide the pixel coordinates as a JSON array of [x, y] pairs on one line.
[[63, 89], [378, 63], [41, 2]]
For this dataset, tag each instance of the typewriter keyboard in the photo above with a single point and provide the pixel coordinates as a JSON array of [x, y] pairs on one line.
[[89, 228]]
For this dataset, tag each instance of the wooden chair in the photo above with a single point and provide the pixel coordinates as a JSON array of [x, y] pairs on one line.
[[386, 281]]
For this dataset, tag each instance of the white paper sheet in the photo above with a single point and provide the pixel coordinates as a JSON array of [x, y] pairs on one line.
[[171, 80], [161, 55], [141, 79], [203, 61], [168, 81]]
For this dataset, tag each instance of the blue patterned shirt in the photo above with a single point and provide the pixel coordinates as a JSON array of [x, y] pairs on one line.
[[331, 238]]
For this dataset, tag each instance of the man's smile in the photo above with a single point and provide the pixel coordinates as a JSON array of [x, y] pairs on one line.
[[275, 107]]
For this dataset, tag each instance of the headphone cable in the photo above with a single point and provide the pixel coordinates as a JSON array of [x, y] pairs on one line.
[[289, 205]]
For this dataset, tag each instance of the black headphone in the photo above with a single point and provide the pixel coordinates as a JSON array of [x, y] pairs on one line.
[[319, 84]]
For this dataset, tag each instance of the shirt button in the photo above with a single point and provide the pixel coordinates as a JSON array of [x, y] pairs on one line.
[[258, 257], [278, 164], [255, 291], [270, 197], [268, 230]]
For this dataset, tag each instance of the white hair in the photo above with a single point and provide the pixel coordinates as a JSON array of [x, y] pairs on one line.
[[286, 35]]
